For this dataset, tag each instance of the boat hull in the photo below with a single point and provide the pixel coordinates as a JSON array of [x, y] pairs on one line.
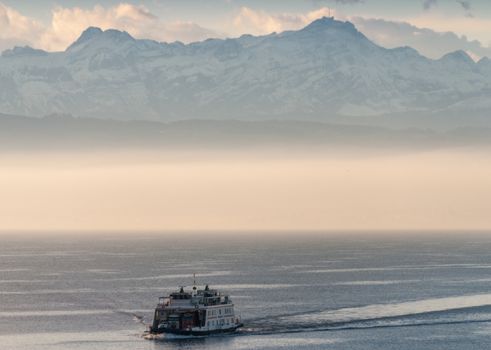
[[196, 333]]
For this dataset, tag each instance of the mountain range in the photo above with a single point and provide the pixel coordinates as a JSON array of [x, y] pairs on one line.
[[65, 133], [328, 71]]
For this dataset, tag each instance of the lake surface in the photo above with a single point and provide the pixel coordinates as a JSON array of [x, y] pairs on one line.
[[311, 293]]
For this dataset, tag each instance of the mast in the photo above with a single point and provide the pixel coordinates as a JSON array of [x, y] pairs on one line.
[[194, 284]]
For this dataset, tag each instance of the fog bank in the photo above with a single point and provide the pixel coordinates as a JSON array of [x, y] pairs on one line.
[[244, 190]]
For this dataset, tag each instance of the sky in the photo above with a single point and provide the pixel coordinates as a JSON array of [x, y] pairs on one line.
[[433, 27]]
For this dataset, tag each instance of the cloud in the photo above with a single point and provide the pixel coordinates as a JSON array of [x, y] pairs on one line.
[[348, 1], [477, 27], [428, 42], [466, 5], [427, 4], [16, 29], [390, 34], [345, 2], [260, 22], [68, 23]]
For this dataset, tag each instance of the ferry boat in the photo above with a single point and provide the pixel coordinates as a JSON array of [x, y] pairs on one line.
[[200, 312]]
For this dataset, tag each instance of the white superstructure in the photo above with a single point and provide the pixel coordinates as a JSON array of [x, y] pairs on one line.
[[200, 312]]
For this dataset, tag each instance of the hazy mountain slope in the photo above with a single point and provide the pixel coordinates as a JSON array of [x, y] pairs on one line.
[[65, 133], [326, 71]]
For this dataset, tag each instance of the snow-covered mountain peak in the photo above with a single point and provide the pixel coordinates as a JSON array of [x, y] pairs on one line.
[[117, 35], [458, 56], [484, 65], [86, 35], [89, 33], [484, 61], [326, 70], [407, 52], [94, 36], [331, 34], [23, 51], [326, 24]]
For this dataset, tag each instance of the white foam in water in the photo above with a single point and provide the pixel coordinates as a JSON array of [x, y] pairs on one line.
[[374, 283], [239, 343], [398, 268], [104, 272], [63, 340], [283, 342], [23, 281], [46, 254], [50, 291], [371, 312], [254, 286], [467, 281], [160, 277], [366, 269], [52, 313]]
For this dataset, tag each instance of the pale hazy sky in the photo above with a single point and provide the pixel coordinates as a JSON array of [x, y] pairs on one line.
[[245, 191], [53, 25]]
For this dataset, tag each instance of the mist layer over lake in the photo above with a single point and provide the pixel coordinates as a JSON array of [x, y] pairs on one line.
[[298, 293], [270, 189]]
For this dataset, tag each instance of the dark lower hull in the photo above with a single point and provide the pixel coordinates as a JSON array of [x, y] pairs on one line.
[[197, 333]]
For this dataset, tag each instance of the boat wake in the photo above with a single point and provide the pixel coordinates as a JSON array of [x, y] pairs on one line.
[[438, 311], [427, 312]]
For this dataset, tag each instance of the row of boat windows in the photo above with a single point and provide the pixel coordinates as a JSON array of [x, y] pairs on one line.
[[226, 311], [223, 321]]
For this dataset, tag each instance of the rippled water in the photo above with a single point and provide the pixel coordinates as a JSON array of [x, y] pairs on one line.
[[313, 293]]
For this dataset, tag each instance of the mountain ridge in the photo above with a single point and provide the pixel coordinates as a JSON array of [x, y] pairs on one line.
[[68, 133], [93, 31], [325, 71]]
